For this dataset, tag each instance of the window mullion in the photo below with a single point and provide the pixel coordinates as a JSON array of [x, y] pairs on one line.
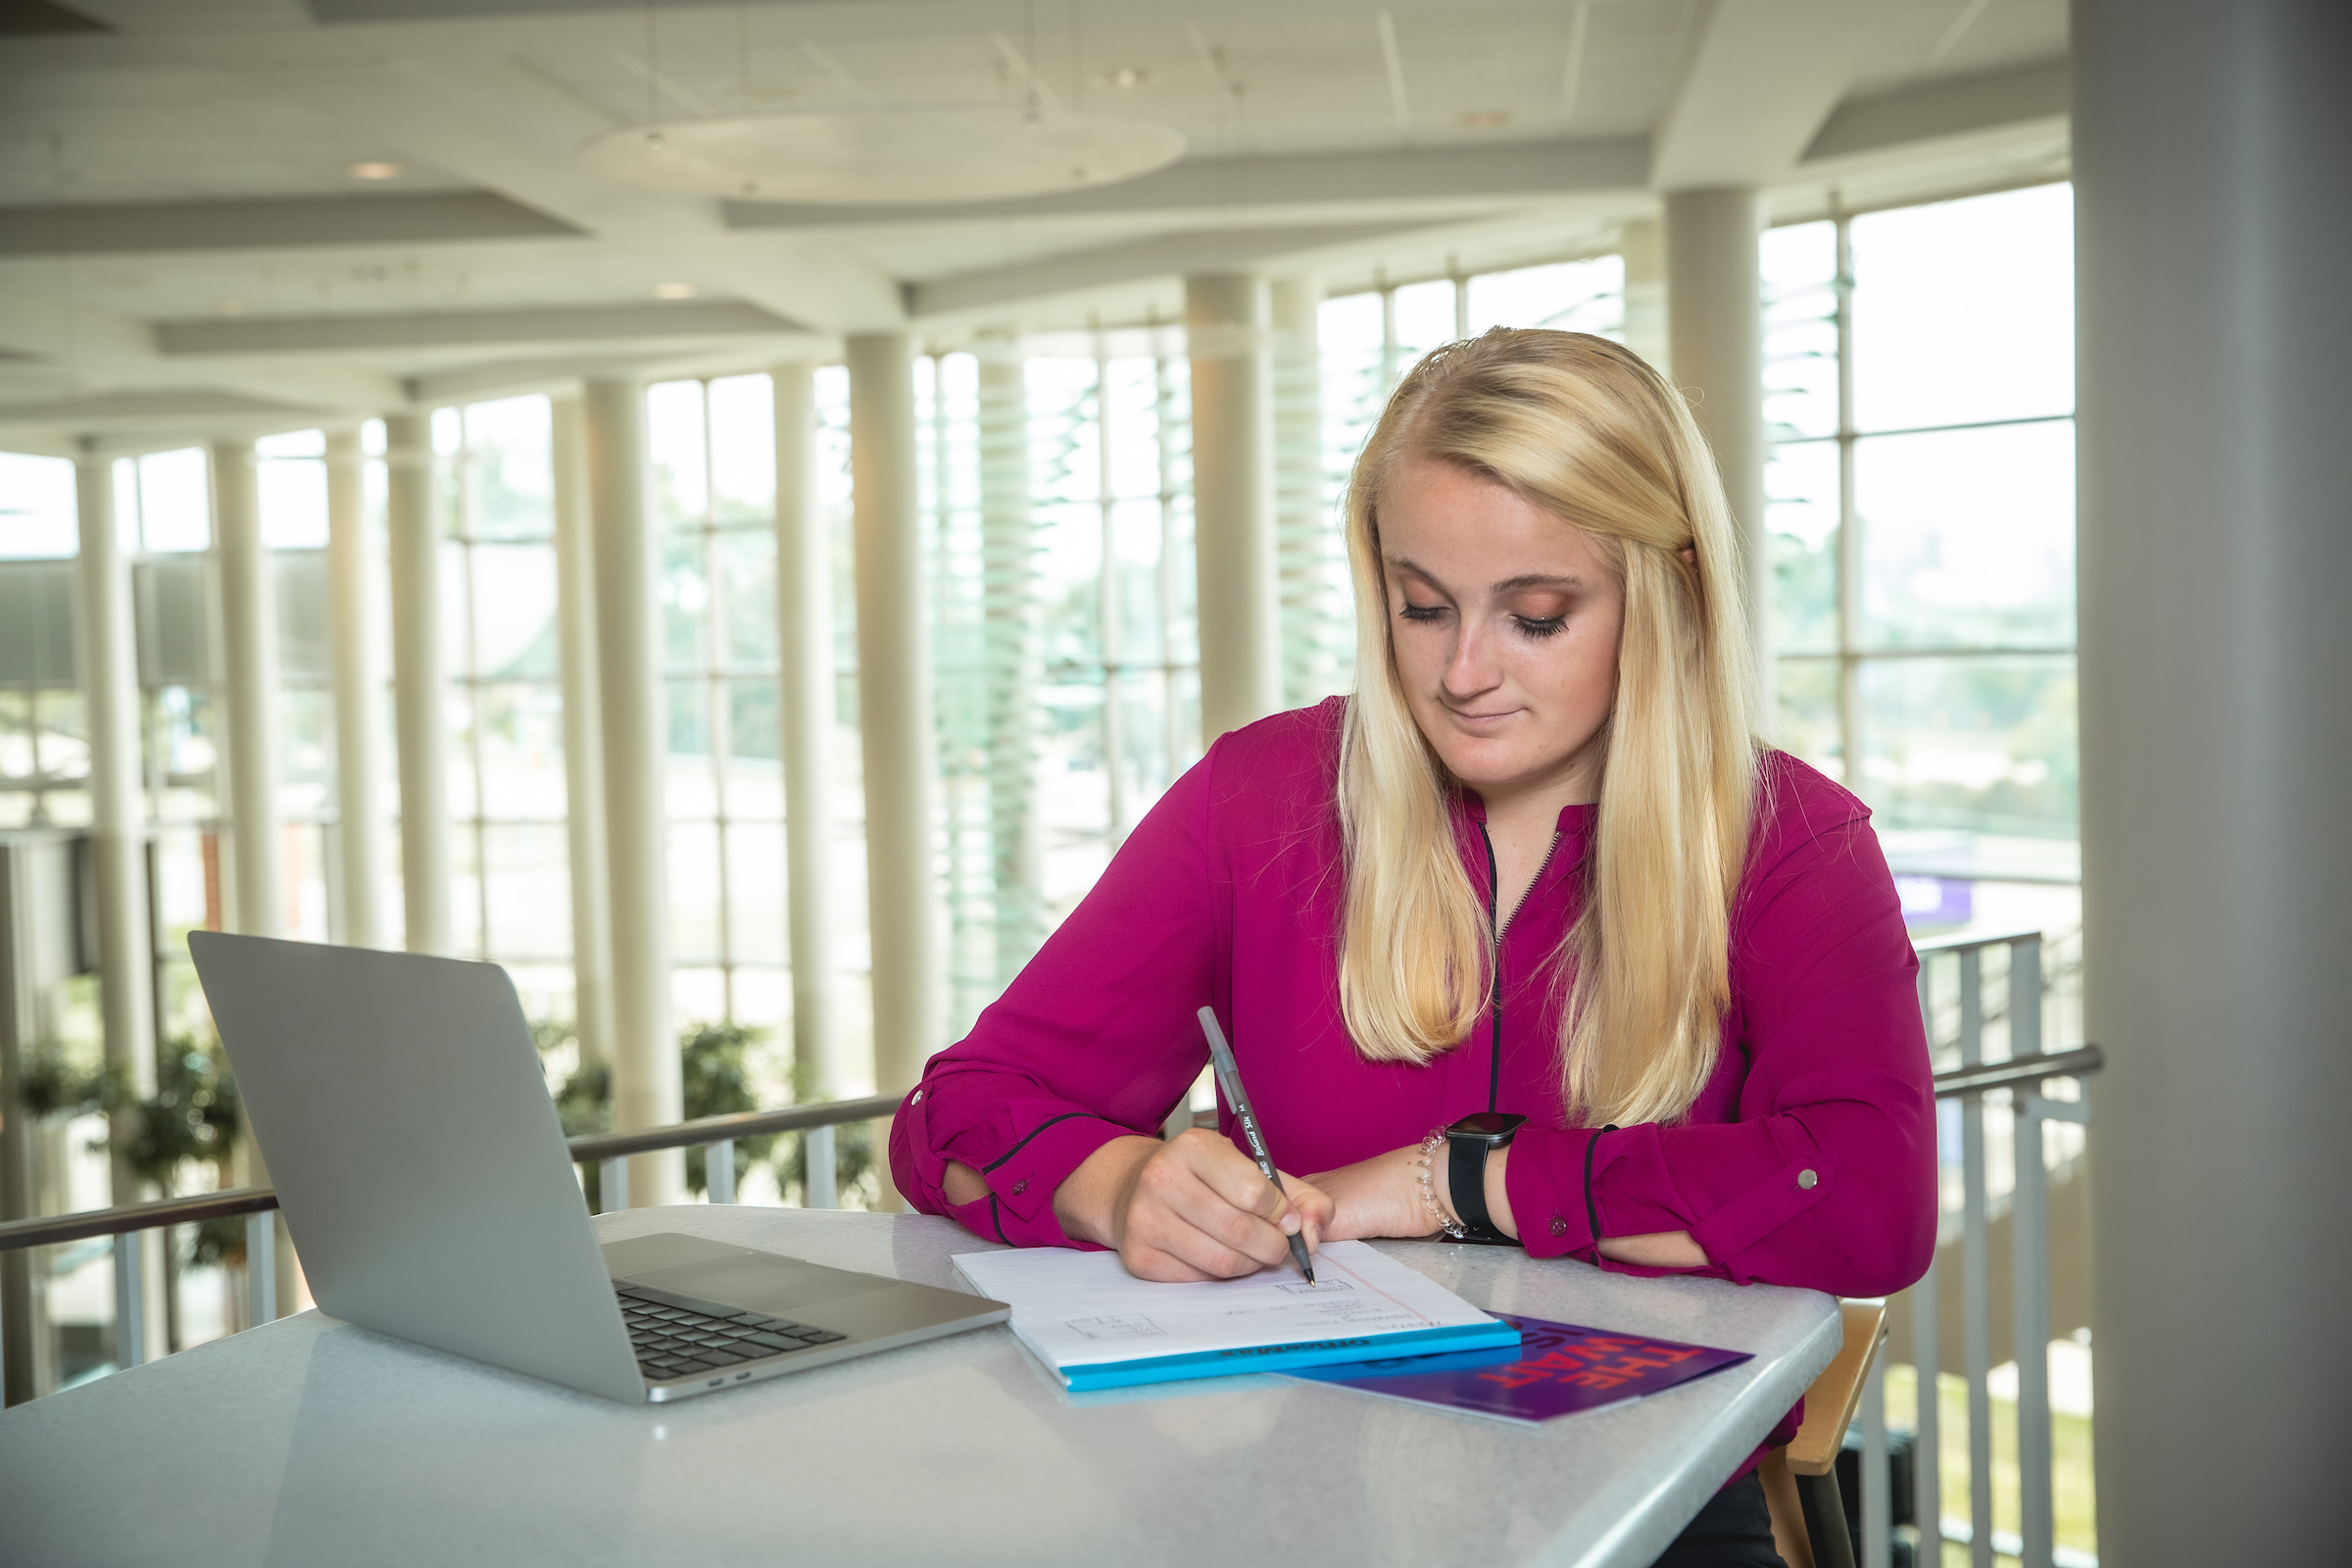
[[1850, 566]]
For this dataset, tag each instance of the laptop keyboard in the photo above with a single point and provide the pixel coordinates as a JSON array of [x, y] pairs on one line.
[[683, 1336]]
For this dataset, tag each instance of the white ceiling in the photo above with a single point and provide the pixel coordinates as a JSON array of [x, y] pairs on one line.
[[175, 216]]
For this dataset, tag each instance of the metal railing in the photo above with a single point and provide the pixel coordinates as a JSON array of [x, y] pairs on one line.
[[716, 1135], [2018, 1074]]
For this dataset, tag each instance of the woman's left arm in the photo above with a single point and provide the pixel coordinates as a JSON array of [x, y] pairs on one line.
[[1828, 1178]]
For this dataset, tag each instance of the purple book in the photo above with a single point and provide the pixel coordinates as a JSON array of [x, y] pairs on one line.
[[1559, 1369]]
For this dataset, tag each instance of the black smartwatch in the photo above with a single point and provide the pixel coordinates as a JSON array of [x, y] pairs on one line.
[[1468, 1142]]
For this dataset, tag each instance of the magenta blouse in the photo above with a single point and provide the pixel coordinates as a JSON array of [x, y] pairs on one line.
[[1808, 1159]]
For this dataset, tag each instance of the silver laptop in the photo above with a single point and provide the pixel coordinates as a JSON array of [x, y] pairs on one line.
[[400, 1106]]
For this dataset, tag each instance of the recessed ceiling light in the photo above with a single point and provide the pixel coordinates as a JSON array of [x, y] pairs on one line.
[[1485, 118], [673, 291], [229, 305], [373, 170], [1126, 76]]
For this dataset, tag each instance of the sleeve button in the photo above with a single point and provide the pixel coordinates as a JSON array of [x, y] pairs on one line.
[[1559, 1226], [1022, 1186], [1807, 1180]]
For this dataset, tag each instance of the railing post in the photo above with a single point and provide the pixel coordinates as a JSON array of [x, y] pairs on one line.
[[1877, 1495], [1976, 1266], [613, 1184], [817, 1170], [718, 1170], [2030, 1268], [1926, 1452], [130, 1301], [261, 1268]]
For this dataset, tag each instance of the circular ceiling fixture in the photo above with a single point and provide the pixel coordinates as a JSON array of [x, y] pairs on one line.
[[884, 156]]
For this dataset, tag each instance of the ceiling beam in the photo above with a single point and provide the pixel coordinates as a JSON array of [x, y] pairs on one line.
[[224, 336], [1205, 188], [158, 412], [53, 347], [1134, 262], [511, 130], [1764, 77], [1957, 106], [131, 227]]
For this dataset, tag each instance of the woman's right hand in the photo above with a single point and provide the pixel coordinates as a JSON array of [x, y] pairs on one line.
[[1193, 1207]]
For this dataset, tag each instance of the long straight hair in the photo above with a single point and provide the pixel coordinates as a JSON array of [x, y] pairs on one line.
[[1585, 430]]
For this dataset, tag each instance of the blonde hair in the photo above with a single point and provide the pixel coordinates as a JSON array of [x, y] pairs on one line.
[[1584, 429]]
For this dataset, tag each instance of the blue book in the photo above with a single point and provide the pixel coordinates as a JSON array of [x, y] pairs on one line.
[[1096, 1326]]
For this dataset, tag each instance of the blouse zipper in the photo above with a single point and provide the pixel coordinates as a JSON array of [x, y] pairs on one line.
[[1494, 925]]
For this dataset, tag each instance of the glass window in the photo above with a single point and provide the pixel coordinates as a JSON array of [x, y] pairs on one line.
[[1802, 498], [507, 789], [713, 452], [1587, 296], [37, 510], [175, 502], [1799, 264], [291, 474], [1980, 744], [509, 467], [1061, 621], [1967, 537], [1424, 318], [1963, 311], [1941, 684]]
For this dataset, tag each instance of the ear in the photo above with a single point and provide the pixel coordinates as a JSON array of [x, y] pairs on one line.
[[1689, 555]]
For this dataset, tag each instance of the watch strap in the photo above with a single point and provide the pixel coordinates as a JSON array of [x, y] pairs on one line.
[[1466, 1178]]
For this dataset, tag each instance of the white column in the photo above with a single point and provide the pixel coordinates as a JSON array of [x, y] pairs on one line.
[[806, 697], [110, 690], [249, 648], [419, 682], [647, 1088], [583, 739], [109, 694], [2213, 167], [894, 715], [351, 568], [1641, 246], [1716, 324], [249, 644], [1226, 319], [1303, 527], [1008, 608]]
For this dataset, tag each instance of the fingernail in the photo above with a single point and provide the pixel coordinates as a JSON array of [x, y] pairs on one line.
[[1290, 1224]]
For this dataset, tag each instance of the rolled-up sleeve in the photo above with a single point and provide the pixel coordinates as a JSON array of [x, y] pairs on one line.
[[1084, 1046], [1828, 1178]]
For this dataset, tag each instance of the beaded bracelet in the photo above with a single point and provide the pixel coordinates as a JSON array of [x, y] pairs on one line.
[[1454, 1228]]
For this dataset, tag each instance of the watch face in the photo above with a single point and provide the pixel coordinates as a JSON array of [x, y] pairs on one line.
[[1488, 1124]]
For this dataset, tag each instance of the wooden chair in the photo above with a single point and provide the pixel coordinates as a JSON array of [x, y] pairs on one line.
[[1800, 1479]]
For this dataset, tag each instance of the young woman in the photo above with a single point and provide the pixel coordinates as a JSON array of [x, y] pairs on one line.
[[1536, 868]]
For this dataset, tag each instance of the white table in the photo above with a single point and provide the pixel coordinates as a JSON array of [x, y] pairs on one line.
[[311, 1442]]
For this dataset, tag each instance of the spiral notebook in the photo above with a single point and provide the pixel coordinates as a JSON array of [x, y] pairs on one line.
[[1096, 1326]]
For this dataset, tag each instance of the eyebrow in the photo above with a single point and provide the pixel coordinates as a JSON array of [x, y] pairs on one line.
[[1532, 579]]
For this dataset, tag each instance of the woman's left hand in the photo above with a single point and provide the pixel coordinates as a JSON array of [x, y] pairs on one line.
[[1378, 1197]]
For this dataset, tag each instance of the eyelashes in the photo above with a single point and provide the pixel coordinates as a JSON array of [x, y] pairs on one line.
[[1529, 626]]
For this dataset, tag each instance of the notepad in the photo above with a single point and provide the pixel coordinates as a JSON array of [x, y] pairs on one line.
[[1096, 1326]]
